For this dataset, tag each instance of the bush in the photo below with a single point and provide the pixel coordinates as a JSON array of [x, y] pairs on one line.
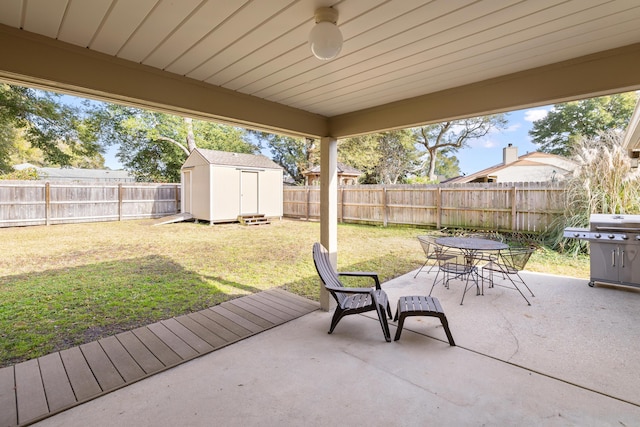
[[603, 182]]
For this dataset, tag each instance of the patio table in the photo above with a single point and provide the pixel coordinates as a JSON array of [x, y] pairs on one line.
[[471, 247]]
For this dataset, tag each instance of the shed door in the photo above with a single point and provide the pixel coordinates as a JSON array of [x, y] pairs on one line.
[[249, 193]]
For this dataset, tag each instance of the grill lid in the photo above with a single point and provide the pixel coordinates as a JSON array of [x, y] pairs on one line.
[[608, 222]]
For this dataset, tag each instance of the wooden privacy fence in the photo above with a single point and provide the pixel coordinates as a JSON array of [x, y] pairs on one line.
[[507, 207], [44, 203]]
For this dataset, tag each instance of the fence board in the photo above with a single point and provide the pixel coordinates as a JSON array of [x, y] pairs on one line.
[[508, 207], [24, 203]]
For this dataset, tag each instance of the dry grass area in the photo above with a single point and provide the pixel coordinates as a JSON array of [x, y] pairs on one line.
[[64, 285]]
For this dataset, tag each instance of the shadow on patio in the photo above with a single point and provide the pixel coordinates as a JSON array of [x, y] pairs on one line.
[[569, 359]]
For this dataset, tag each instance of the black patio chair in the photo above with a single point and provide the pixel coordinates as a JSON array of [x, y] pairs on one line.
[[509, 263], [351, 300], [433, 252]]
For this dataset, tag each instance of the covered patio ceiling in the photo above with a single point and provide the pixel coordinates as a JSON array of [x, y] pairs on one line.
[[403, 63]]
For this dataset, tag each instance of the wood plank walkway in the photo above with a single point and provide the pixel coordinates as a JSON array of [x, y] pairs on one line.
[[38, 388]]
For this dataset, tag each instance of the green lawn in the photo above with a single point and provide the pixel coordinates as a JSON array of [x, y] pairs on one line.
[[64, 285]]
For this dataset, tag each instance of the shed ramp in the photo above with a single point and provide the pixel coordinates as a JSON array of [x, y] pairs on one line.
[[174, 218]]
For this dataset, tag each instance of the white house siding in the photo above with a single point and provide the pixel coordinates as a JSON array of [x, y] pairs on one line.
[[531, 173]]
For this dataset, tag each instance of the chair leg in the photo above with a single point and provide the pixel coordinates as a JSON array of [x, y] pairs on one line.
[[445, 325], [383, 322], [425, 263], [337, 315]]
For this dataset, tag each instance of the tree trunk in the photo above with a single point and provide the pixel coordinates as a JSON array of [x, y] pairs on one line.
[[191, 139]]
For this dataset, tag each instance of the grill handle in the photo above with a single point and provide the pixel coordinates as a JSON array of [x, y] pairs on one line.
[[627, 229], [613, 258]]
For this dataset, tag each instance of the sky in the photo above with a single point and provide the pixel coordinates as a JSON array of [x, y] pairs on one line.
[[483, 153], [480, 154]]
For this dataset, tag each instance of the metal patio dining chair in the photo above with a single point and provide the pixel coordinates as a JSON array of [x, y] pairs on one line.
[[433, 252], [454, 264], [510, 263], [351, 300]]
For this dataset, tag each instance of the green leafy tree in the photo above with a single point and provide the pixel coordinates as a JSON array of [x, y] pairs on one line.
[[362, 153], [295, 155], [153, 145], [384, 158], [561, 130], [59, 134], [449, 137]]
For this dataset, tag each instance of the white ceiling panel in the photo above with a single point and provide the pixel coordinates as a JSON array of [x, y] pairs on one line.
[[393, 49], [236, 26], [208, 17], [167, 15], [11, 12], [44, 16], [120, 23], [82, 19]]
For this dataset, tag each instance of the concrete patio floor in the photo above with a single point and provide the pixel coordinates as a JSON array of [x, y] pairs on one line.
[[572, 358]]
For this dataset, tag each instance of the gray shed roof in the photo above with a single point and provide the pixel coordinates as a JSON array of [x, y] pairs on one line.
[[238, 159]]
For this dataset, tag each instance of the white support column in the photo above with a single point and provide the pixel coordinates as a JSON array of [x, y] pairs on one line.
[[328, 206]]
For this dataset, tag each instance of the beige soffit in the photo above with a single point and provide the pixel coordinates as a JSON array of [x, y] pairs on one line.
[[247, 62]]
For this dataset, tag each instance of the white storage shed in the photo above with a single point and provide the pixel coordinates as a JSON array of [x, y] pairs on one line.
[[218, 186]]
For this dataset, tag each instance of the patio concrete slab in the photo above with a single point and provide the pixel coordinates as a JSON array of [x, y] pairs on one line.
[[569, 359]]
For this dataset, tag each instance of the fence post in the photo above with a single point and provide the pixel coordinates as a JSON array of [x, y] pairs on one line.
[[439, 208], [47, 203], [514, 210], [120, 202], [385, 218], [341, 201], [308, 196]]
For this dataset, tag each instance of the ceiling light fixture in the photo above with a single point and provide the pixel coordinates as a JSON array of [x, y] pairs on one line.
[[325, 39]]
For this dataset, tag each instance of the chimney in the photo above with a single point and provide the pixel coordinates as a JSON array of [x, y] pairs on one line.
[[509, 154]]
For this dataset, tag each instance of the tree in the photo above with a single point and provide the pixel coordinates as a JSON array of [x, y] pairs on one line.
[[566, 124], [154, 145], [453, 135], [384, 158], [58, 134], [295, 155]]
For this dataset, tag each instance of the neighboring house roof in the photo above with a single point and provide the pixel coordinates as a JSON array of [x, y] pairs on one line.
[[535, 166], [225, 158], [78, 174], [342, 170]]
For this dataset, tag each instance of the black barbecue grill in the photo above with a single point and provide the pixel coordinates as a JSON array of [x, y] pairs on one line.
[[614, 241]]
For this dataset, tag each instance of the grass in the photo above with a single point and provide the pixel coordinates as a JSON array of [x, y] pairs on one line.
[[65, 285]]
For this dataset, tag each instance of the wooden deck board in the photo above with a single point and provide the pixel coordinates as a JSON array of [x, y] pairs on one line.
[[203, 333], [291, 306], [180, 347], [32, 402], [83, 383], [159, 348], [253, 314], [224, 322], [141, 354], [194, 341], [215, 327], [302, 302], [273, 307], [8, 406], [107, 375], [38, 388], [57, 387], [121, 359], [232, 316]]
